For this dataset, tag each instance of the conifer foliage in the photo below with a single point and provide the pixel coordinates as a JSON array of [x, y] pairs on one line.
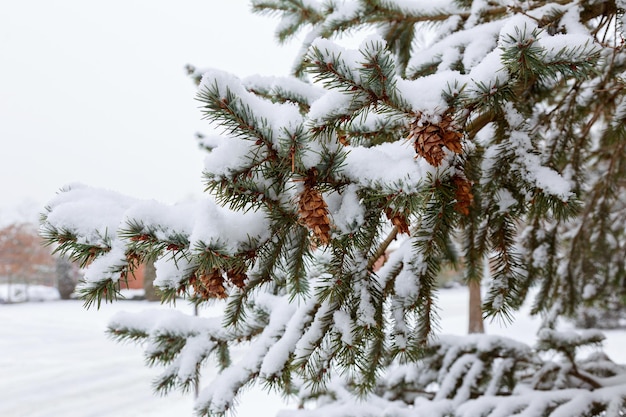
[[486, 134]]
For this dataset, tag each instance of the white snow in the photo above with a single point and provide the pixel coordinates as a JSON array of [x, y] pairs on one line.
[[278, 354], [278, 116], [56, 360], [553, 45], [98, 215], [343, 323], [18, 293], [424, 7], [227, 154], [89, 212], [424, 94], [170, 271], [218, 395], [278, 84], [106, 266], [348, 213], [505, 200], [333, 102], [216, 224], [398, 158]]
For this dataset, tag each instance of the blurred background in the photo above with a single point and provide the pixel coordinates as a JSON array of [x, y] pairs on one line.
[[97, 93]]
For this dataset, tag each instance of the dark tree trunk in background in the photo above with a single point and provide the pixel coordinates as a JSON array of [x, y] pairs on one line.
[[66, 280]]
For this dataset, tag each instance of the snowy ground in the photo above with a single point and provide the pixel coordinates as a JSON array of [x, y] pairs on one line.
[[56, 361], [19, 293]]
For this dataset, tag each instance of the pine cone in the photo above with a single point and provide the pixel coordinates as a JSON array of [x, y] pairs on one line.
[[210, 285], [430, 139], [238, 278], [313, 212], [198, 288], [399, 220], [463, 194]]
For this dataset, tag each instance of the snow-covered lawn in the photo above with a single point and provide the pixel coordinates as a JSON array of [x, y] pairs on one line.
[[56, 361], [19, 293]]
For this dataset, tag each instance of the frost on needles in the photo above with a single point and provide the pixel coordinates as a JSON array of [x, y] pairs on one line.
[[488, 135]]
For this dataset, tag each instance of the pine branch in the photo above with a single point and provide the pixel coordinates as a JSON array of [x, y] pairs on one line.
[[518, 154], [382, 248]]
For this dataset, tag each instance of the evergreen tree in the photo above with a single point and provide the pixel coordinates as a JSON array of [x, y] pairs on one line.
[[487, 134]]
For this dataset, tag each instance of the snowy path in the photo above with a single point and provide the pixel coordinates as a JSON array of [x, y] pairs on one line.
[[56, 361]]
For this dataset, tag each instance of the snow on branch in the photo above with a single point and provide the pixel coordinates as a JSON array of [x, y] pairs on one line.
[[468, 376], [457, 124]]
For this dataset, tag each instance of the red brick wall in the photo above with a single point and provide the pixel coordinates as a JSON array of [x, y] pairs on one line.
[[135, 280]]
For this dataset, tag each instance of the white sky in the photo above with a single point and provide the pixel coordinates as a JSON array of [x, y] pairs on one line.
[[95, 91]]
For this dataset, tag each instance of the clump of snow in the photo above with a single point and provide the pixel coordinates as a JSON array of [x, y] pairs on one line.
[[526, 161], [219, 395], [422, 8], [343, 323], [171, 271], [162, 219], [277, 85], [107, 266], [349, 214], [425, 94], [571, 338], [277, 355], [505, 200], [555, 44], [477, 49], [366, 312], [535, 173], [164, 321], [90, 213], [333, 102], [227, 155], [589, 291], [344, 11], [217, 225], [186, 364], [330, 52], [306, 343], [571, 19], [402, 169], [278, 116], [490, 71], [478, 40], [540, 256], [407, 284]]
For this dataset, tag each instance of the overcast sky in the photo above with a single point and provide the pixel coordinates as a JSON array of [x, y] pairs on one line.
[[95, 91]]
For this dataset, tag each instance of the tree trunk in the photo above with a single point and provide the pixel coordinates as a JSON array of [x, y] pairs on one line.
[[476, 324], [149, 275], [66, 282], [9, 289]]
